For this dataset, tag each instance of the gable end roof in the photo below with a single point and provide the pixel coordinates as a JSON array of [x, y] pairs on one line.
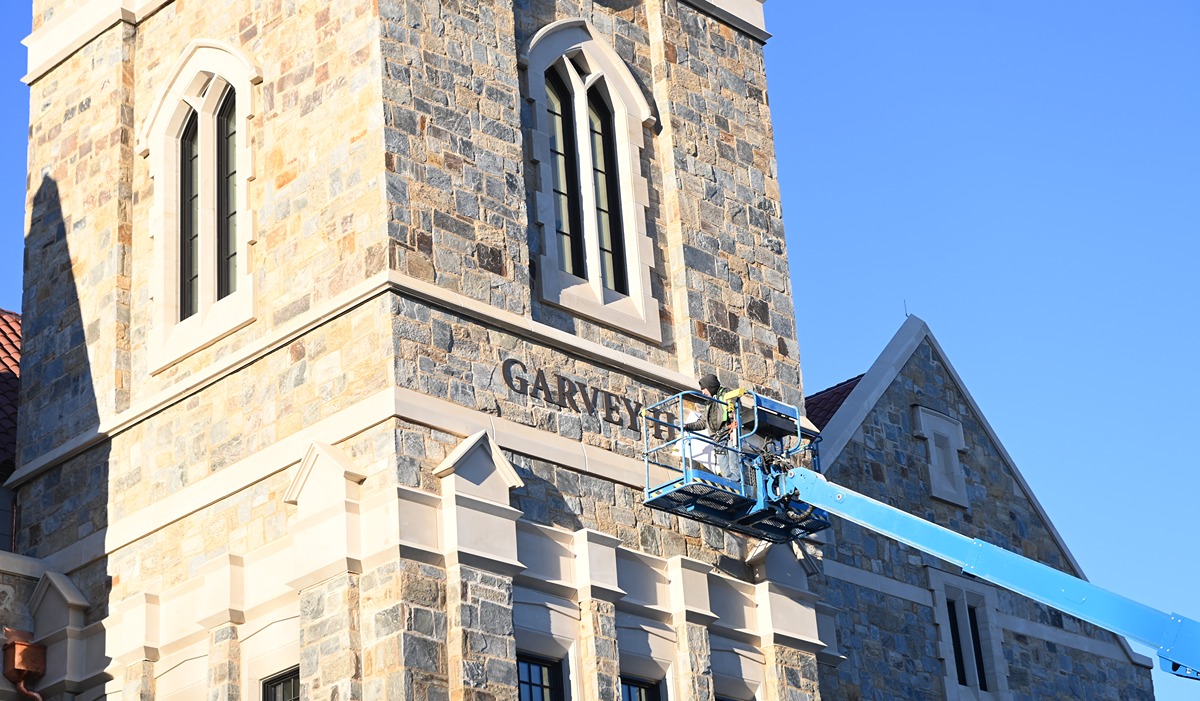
[[869, 388]]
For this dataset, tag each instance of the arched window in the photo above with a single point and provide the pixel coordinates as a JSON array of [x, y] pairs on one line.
[[608, 194], [591, 197], [564, 181], [189, 217], [199, 159], [227, 196]]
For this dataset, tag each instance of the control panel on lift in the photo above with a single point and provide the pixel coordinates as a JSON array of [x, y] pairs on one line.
[[732, 479]]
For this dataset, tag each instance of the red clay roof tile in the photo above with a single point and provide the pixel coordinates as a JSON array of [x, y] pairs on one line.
[[821, 407], [10, 382]]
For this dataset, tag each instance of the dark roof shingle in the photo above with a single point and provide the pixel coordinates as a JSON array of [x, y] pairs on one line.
[[821, 407], [10, 382]]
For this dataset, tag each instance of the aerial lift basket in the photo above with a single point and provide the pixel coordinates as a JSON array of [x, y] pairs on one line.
[[731, 481]]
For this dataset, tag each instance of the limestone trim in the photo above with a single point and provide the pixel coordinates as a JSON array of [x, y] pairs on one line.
[[743, 15], [566, 46], [326, 528], [378, 285], [738, 668], [646, 646], [944, 441], [1058, 636], [234, 588], [273, 648], [551, 561], [923, 597], [877, 582], [476, 529], [182, 675], [479, 440], [65, 34], [827, 631], [867, 393], [58, 608], [320, 452], [197, 85], [289, 452], [555, 635], [12, 563], [982, 597]]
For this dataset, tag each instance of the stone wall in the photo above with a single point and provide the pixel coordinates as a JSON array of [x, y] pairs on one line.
[[388, 147], [76, 302], [731, 266], [891, 642], [316, 140]]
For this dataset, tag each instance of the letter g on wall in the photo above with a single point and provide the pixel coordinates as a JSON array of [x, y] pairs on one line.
[[517, 383]]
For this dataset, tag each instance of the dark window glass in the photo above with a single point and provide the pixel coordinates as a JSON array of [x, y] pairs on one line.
[[956, 641], [189, 212], [284, 687], [564, 170], [227, 196], [539, 680], [637, 690], [608, 194], [977, 647]]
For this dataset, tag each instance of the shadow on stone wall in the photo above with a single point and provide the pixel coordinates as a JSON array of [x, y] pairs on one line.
[[68, 501], [541, 500]]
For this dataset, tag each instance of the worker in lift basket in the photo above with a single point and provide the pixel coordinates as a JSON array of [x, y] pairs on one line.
[[717, 420]]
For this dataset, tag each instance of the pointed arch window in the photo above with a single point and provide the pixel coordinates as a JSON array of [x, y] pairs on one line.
[[564, 182], [195, 140], [226, 224], [189, 217], [588, 123], [208, 182], [608, 194]]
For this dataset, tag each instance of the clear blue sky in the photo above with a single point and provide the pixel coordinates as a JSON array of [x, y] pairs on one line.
[[1024, 176]]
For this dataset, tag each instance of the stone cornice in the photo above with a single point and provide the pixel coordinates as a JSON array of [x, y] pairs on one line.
[[55, 41], [743, 15], [383, 283]]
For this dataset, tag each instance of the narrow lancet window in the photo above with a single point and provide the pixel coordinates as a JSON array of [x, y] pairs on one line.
[[189, 212], [588, 124], [608, 194], [565, 174], [227, 271]]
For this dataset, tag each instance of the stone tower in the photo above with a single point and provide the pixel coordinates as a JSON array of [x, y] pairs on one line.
[[339, 318]]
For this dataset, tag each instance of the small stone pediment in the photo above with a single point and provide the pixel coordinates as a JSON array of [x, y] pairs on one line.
[[325, 472], [479, 469], [56, 604]]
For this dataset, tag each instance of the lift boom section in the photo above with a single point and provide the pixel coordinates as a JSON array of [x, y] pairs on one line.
[[776, 499]]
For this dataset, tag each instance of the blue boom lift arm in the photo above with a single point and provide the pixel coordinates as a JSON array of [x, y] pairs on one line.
[[776, 499]]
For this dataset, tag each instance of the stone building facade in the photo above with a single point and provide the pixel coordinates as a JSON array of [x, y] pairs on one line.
[[908, 433], [313, 400], [339, 321]]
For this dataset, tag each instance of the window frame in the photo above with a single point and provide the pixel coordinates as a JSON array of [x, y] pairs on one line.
[[588, 66], [555, 686], [282, 677], [983, 651], [653, 690], [206, 74]]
